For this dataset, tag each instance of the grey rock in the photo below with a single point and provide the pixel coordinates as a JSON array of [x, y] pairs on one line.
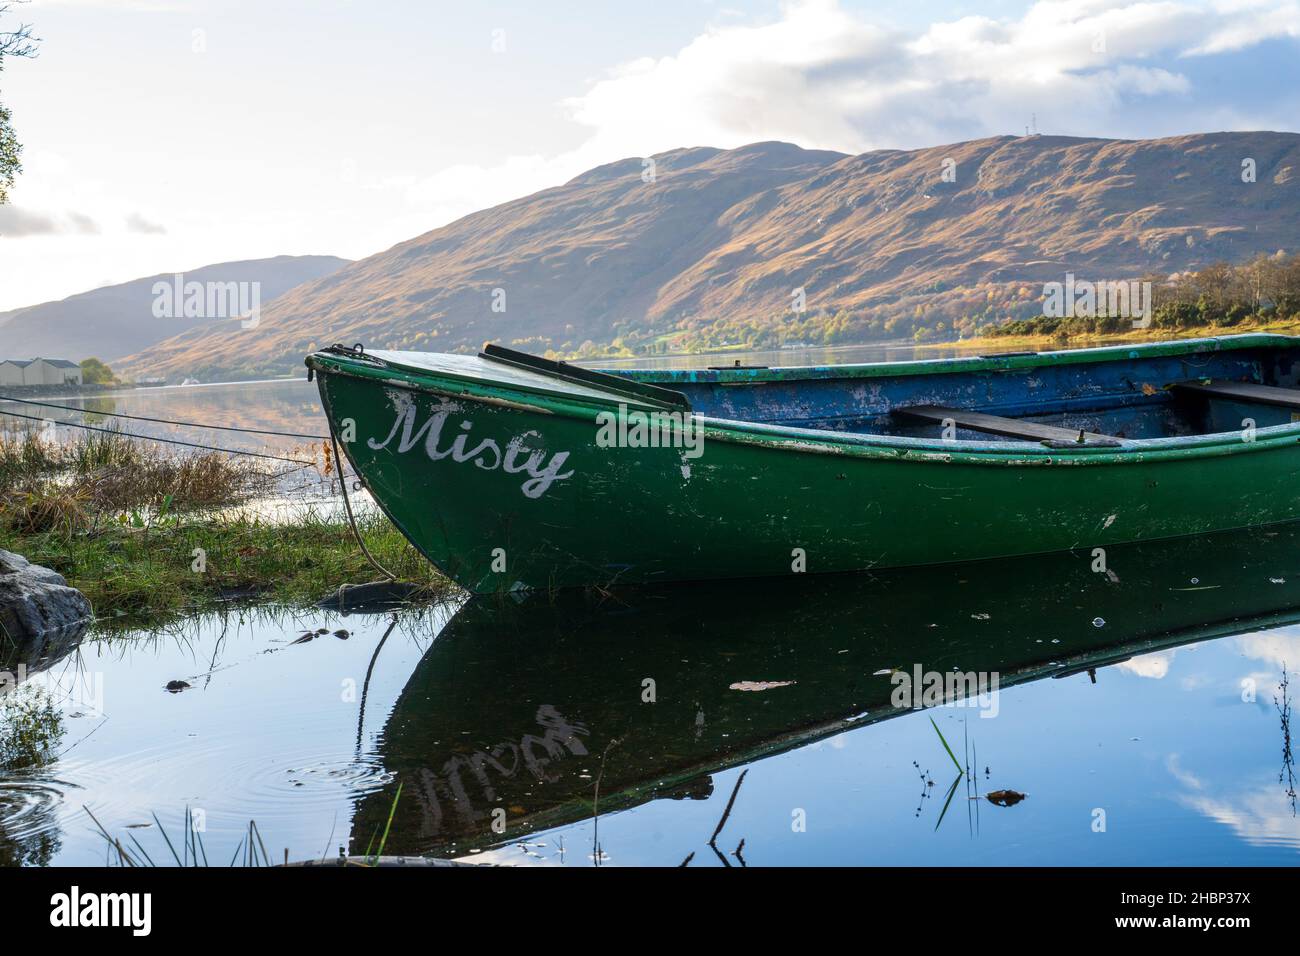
[[376, 597], [37, 607]]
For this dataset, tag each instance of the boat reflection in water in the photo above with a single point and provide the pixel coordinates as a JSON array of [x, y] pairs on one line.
[[518, 707]]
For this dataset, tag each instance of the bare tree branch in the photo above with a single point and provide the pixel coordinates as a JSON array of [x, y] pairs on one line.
[[17, 42]]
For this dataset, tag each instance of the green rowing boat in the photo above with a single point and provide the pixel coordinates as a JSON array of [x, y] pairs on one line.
[[510, 471]]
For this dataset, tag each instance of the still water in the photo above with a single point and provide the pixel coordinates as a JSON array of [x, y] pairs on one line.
[[1139, 708]]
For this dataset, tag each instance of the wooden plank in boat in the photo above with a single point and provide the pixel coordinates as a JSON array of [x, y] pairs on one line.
[[563, 371], [997, 425], [1243, 392]]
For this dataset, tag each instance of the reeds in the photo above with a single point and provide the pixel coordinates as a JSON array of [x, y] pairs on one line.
[[250, 851], [69, 482], [151, 534]]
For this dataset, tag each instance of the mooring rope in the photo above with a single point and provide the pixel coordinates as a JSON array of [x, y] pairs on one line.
[[169, 441], [347, 506], [164, 421]]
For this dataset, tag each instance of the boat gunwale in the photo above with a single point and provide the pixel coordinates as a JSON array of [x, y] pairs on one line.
[[826, 441], [961, 363]]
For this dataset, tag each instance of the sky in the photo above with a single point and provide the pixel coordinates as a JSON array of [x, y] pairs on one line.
[[163, 135]]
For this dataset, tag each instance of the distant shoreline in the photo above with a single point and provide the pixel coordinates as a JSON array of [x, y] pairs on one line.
[[83, 391], [1281, 327], [46, 391], [731, 350]]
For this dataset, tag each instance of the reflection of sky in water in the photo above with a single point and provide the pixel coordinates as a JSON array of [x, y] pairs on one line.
[[1185, 771]]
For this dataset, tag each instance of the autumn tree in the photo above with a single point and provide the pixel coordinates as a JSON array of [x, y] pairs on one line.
[[95, 372], [16, 42]]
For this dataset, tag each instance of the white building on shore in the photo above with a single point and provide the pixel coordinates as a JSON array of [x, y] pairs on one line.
[[39, 371]]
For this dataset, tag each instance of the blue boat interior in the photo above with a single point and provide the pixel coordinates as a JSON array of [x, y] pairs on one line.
[[1116, 393]]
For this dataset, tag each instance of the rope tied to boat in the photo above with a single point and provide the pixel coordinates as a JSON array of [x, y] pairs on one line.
[[158, 438], [161, 421], [347, 506], [356, 352]]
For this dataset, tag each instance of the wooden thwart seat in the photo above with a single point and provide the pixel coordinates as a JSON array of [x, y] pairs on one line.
[[1243, 392], [1008, 427]]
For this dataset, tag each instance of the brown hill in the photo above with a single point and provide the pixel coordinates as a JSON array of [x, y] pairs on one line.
[[713, 249]]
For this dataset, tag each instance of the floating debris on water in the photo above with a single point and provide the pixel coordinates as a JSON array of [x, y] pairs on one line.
[[761, 684], [1005, 798]]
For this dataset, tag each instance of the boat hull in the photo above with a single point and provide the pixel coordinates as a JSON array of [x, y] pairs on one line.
[[504, 489]]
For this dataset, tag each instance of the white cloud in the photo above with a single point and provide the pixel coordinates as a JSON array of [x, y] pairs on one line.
[[1188, 779], [138, 223], [1279, 646], [1243, 23], [1261, 817], [146, 6], [826, 78], [18, 221], [1154, 665]]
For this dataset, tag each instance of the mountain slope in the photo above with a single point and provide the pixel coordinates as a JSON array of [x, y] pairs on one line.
[[116, 320], [714, 249]]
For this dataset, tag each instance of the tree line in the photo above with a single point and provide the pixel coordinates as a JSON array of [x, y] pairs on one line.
[[1221, 295]]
